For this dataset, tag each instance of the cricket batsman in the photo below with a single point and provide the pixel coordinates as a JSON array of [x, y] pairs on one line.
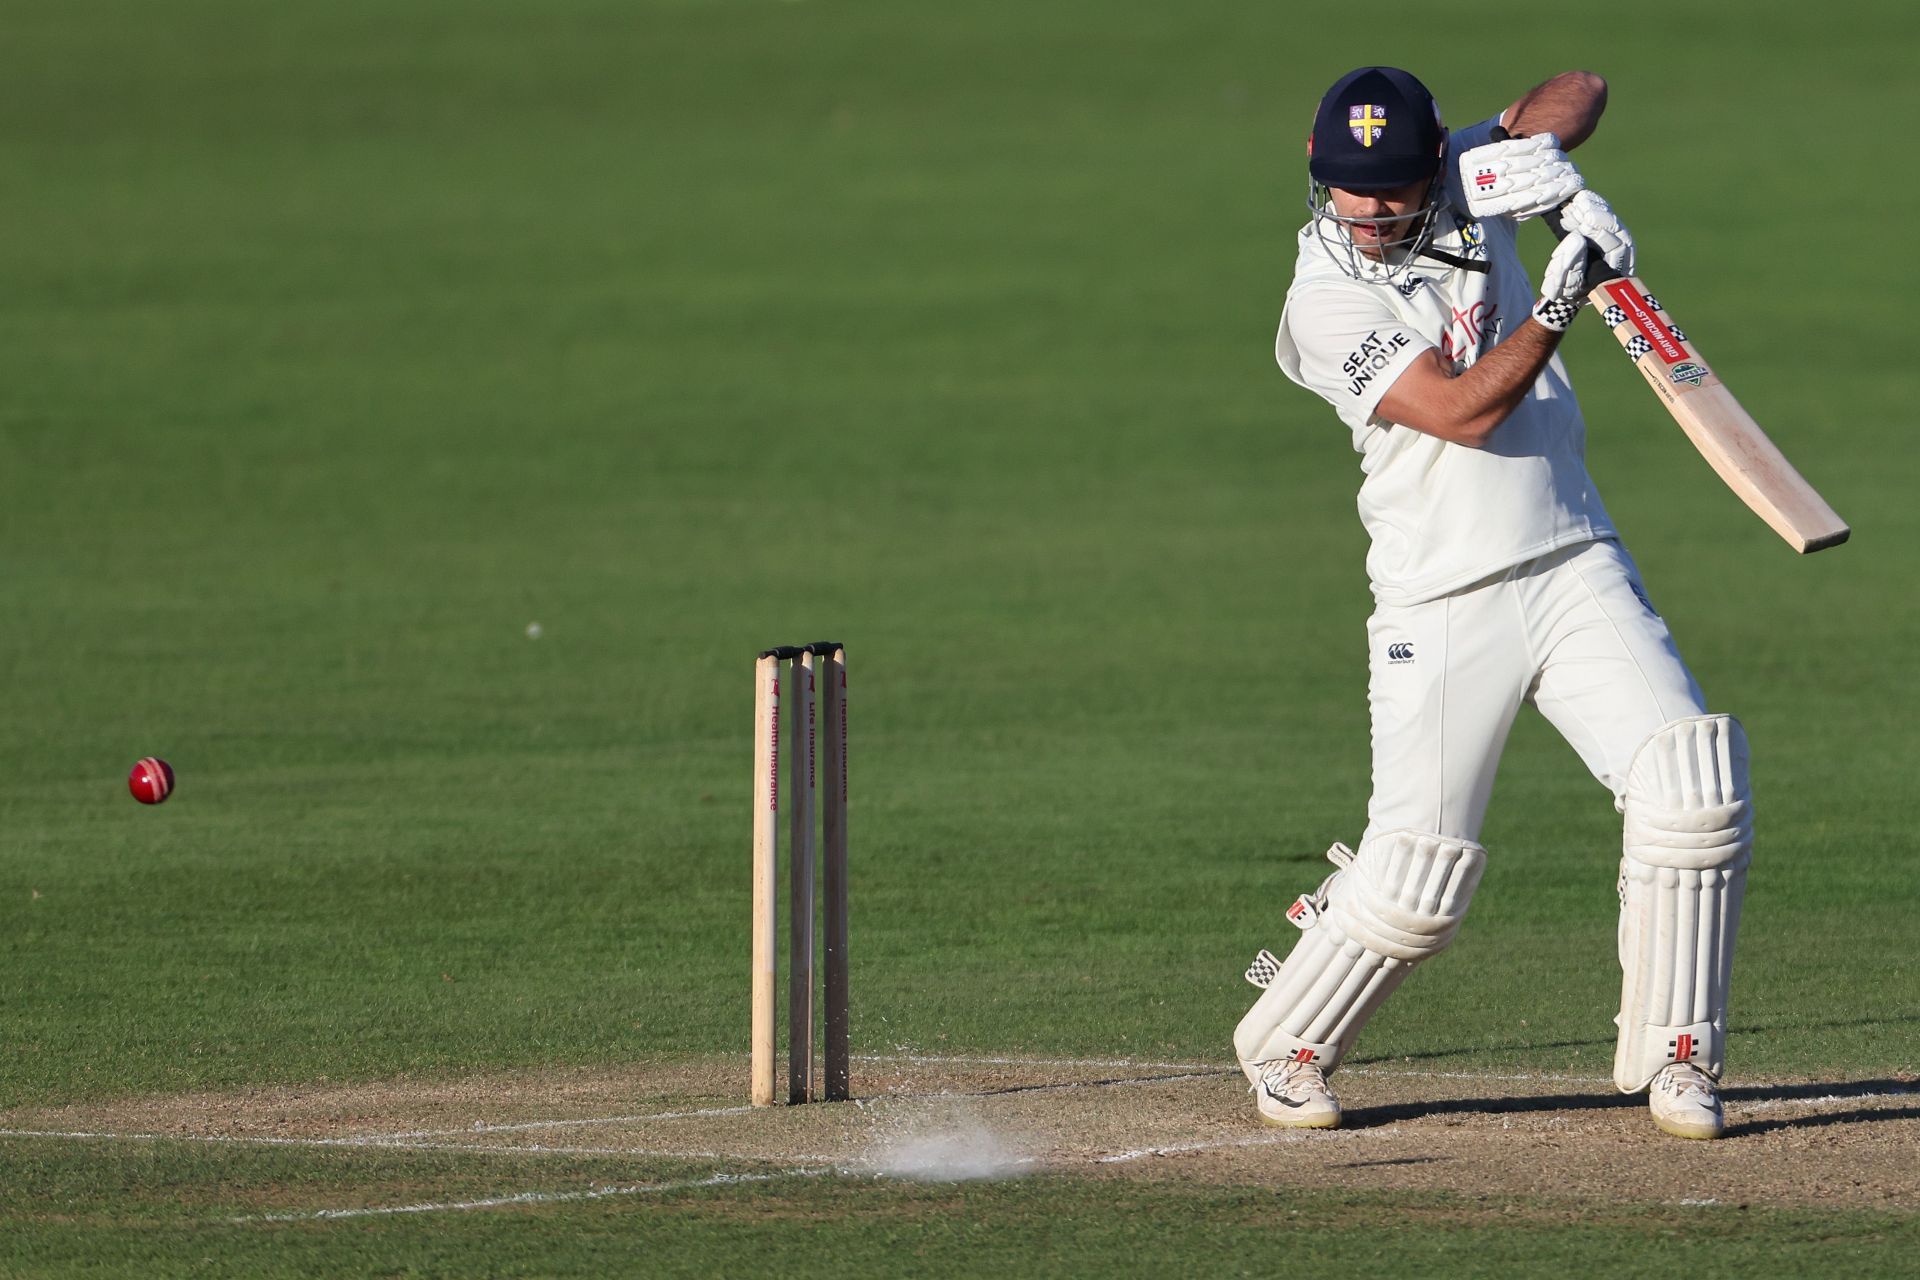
[[1498, 580]]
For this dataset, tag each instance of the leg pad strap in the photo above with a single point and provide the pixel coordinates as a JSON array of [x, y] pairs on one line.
[[1398, 901]]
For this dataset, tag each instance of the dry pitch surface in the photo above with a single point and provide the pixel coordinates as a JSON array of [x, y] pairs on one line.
[[1836, 1143]]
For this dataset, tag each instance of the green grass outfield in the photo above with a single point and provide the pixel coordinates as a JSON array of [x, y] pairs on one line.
[[339, 343], [127, 1214]]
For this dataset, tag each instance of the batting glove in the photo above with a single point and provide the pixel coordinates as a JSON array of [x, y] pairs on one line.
[[1590, 227], [1520, 178], [1590, 216]]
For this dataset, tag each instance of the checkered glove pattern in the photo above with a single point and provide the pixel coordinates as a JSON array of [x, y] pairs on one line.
[[1557, 313]]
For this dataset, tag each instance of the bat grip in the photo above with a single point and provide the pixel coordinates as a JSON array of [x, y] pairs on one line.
[[1598, 272]]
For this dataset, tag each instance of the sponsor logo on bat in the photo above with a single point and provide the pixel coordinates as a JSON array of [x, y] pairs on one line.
[[1639, 310], [1688, 371]]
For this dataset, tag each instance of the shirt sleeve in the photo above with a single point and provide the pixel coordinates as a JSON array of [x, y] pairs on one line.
[[1346, 346]]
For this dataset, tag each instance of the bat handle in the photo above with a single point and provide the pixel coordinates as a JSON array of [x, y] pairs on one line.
[[1598, 272]]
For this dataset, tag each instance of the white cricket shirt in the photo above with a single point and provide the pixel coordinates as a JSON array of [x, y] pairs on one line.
[[1442, 515]]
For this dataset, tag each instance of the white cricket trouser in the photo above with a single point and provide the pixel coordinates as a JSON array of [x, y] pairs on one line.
[[1571, 632]]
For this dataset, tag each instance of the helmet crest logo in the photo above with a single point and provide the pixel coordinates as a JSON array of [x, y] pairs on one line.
[[1366, 123]]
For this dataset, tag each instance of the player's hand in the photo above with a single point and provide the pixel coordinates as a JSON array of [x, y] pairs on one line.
[[1590, 226], [1563, 285], [1592, 217], [1520, 178]]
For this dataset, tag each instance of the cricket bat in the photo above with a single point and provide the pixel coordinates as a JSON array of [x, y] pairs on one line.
[[1725, 433]]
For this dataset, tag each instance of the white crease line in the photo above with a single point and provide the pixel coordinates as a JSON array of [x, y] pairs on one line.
[[1195, 1070], [539, 1149], [1520, 1077], [531, 1197], [1826, 1100], [1203, 1074], [564, 1124], [1189, 1071], [1199, 1068], [961, 1060], [1256, 1140], [381, 1144], [1014, 1091]]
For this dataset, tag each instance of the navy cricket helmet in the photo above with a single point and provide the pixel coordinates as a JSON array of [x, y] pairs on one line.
[[1378, 127]]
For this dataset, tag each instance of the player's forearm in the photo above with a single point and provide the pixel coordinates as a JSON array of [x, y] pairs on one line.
[[1569, 105], [1467, 407], [1501, 379]]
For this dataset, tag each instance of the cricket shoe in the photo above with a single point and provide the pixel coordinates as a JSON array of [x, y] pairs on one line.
[[1294, 1095], [1685, 1103]]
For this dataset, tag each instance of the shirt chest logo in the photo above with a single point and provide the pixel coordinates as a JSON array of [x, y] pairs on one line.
[[1472, 331], [1473, 238]]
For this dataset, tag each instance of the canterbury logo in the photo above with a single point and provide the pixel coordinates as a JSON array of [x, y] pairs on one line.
[[1400, 653]]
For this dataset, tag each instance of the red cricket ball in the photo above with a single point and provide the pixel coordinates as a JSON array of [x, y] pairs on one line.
[[151, 780]]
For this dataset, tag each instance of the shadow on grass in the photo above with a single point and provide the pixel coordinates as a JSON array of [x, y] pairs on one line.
[[1818, 1089], [1825, 1119], [1526, 1104], [1606, 1042], [1373, 1117], [1863, 1115]]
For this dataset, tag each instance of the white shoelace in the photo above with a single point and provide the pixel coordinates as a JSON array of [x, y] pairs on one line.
[[1279, 1074], [1680, 1080]]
